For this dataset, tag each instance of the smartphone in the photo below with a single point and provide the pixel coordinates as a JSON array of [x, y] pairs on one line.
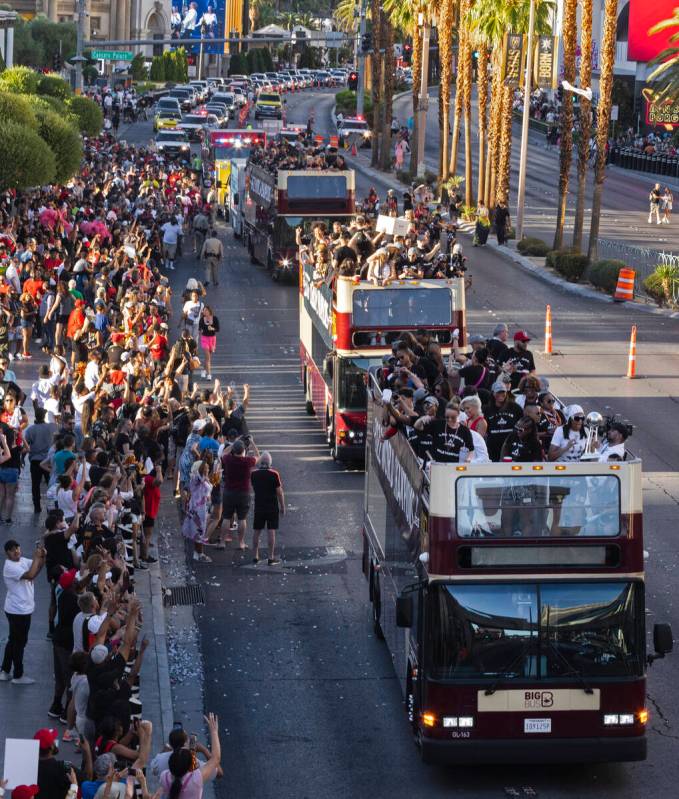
[[193, 741]]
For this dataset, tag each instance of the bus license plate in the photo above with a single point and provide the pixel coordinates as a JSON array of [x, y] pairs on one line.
[[537, 725]]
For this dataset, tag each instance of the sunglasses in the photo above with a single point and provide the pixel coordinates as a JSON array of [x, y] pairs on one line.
[[550, 401], [578, 418]]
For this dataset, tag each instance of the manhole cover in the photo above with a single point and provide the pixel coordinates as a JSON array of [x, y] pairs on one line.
[[184, 595]]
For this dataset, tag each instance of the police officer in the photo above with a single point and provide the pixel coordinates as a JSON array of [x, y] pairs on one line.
[[212, 253]]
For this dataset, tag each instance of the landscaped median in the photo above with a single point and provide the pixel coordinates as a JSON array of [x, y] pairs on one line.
[[41, 122], [662, 285]]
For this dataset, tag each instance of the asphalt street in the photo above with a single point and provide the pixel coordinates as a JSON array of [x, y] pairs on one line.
[[308, 699]]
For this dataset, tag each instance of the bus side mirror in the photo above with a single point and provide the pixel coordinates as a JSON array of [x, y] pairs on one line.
[[328, 365], [663, 643], [404, 611]]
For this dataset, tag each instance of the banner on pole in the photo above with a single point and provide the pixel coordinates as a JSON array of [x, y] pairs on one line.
[[513, 59], [546, 62]]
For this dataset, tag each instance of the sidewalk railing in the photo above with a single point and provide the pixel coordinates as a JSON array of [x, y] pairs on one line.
[[657, 164], [642, 259]]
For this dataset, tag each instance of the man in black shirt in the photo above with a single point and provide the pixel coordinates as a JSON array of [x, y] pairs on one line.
[[54, 780], [501, 415], [496, 346], [62, 640], [269, 501], [520, 358]]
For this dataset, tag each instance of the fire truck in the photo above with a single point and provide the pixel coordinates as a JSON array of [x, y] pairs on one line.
[[276, 204], [512, 600], [223, 148], [346, 332]]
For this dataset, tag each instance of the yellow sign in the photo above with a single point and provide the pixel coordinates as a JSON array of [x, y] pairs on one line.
[[538, 700], [660, 111]]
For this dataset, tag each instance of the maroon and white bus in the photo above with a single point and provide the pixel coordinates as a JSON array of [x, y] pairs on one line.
[[512, 599]]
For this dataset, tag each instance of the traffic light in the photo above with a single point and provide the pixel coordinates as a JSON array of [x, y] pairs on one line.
[[366, 43], [407, 53], [57, 63], [475, 65], [352, 82]]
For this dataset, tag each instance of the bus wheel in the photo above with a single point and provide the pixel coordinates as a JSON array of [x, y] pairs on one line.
[[425, 755]]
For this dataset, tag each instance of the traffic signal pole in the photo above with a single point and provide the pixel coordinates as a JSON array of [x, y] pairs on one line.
[[360, 94], [79, 57]]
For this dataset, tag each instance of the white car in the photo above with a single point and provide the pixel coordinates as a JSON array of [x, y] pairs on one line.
[[355, 129]]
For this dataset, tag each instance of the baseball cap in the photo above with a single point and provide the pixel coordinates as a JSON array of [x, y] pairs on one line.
[[68, 578], [498, 386], [477, 339], [430, 400], [521, 335], [98, 653], [25, 791], [412, 251], [419, 394], [46, 737], [199, 424], [94, 623], [102, 765]]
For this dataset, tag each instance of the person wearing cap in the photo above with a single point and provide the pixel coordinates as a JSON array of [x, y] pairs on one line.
[[612, 448], [519, 361], [269, 503], [501, 414], [212, 253], [55, 781], [569, 441], [18, 574], [238, 461], [25, 791], [62, 638]]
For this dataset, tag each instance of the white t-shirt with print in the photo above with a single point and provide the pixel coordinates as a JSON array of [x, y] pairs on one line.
[[575, 452], [20, 597]]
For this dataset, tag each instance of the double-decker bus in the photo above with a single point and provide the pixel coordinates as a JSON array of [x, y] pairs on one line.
[[222, 148], [511, 597], [346, 332], [276, 204]]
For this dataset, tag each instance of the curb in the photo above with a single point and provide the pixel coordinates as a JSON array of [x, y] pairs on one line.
[[160, 638], [519, 260]]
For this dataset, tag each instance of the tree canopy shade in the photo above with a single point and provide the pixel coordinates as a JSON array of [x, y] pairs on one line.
[[15, 108], [64, 141], [25, 158], [88, 113], [20, 80]]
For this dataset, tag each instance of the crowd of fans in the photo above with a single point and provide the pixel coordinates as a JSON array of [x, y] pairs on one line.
[[484, 404], [301, 153]]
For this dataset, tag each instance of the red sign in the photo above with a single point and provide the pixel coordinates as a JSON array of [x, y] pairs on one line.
[[643, 15]]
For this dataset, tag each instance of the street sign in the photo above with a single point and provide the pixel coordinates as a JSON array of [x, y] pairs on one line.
[[111, 55], [614, 113]]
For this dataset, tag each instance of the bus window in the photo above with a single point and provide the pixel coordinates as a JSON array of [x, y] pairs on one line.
[[408, 307], [351, 382], [573, 505]]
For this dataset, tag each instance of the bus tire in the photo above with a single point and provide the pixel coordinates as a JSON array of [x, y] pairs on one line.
[[377, 608]]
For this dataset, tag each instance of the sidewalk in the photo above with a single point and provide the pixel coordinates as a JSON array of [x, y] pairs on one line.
[[362, 164], [23, 709]]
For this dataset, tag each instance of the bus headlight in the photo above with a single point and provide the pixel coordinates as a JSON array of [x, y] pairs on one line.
[[627, 718], [466, 721], [450, 721], [611, 719], [352, 434]]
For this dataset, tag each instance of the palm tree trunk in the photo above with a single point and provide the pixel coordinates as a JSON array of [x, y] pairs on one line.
[[482, 103], [493, 132], [603, 120], [467, 85], [378, 89], [417, 77], [570, 28], [445, 32], [460, 78], [585, 120], [387, 37], [505, 145]]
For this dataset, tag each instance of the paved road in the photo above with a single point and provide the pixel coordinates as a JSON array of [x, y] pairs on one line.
[[292, 667]]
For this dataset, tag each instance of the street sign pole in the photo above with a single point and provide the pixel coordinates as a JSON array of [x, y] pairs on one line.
[[423, 100], [360, 93], [79, 58]]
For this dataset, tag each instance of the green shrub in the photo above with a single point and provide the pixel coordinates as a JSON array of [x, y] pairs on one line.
[[26, 160], [238, 64], [64, 141], [20, 80], [551, 257], [138, 68], [157, 69], [604, 274], [571, 265], [89, 115], [653, 286], [54, 86], [532, 246], [17, 109]]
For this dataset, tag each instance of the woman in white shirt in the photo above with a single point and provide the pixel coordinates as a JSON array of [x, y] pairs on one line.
[[68, 494], [568, 441]]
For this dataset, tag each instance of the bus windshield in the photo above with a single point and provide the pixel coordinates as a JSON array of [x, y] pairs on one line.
[[568, 505], [228, 152], [284, 228], [536, 631], [409, 307]]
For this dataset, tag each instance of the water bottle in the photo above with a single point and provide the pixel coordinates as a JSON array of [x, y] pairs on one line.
[[464, 452]]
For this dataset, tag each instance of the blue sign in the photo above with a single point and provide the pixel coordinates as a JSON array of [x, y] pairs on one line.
[[191, 20]]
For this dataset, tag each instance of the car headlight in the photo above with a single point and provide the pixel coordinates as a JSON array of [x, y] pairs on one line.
[[185, 147]]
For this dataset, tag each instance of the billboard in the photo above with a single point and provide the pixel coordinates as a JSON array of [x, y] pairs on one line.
[[643, 15], [189, 18]]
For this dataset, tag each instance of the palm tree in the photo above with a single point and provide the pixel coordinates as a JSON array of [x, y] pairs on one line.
[[570, 29], [666, 73], [344, 15], [603, 119], [387, 68], [376, 70], [585, 120], [467, 84], [482, 101], [445, 34]]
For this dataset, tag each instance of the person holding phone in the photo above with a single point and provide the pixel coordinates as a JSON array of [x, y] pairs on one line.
[[185, 778]]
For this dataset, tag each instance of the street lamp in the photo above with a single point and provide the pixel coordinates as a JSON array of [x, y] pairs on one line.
[[425, 21], [521, 194]]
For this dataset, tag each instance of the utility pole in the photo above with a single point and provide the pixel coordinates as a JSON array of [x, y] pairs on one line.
[[203, 31], [423, 100], [79, 57], [360, 93], [520, 200]]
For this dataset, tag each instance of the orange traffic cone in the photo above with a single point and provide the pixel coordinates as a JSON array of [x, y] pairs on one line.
[[624, 289], [548, 331], [632, 358], [354, 149]]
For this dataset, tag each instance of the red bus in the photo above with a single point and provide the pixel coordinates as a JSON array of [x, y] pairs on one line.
[[511, 597], [276, 204], [345, 333]]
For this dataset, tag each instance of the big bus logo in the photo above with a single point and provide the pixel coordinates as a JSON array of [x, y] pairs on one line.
[[537, 699]]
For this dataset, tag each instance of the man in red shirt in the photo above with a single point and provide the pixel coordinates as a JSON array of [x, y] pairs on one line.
[[152, 484], [237, 465]]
